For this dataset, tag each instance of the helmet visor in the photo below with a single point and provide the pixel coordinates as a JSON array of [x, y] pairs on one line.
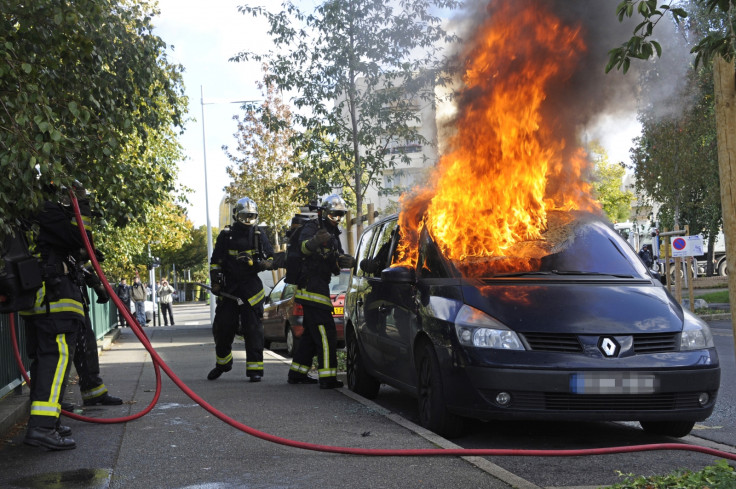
[[247, 218], [335, 216]]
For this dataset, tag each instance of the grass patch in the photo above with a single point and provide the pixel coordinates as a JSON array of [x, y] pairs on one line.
[[713, 297], [717, 476]]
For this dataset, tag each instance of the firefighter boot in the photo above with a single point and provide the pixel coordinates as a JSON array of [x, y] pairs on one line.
[[48, 438], [218, 370]]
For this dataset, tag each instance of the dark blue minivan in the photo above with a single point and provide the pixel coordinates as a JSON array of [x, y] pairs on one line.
[[585, 333]]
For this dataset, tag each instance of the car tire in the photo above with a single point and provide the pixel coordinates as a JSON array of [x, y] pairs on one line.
[[359, 380], [291, 341], [433, 413], [722, 268], [677, 429]]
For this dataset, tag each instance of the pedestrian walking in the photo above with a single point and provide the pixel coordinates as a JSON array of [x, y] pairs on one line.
[[139, 294]]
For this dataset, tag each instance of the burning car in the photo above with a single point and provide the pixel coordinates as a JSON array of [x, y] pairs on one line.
[[568, 326]]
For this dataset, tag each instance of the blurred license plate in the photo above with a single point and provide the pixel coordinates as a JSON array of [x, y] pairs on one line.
[[338, 311], [613, 383]]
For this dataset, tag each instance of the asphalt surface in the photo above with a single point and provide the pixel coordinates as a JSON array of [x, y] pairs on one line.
[[180, 445]]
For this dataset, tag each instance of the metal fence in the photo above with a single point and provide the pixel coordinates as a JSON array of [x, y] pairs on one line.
[[103, 317]]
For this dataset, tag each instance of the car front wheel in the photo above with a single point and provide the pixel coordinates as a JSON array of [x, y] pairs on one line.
[[433, 413], [359, 380], [677, 429]]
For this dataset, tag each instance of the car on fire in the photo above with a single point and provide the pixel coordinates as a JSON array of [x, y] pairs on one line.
[[282, 317], [581, 332]]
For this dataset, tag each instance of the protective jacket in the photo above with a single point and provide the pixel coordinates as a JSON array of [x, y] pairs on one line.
[[236, 260], [318, 267], [59, 246]]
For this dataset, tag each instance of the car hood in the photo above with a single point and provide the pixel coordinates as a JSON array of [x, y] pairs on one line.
[[579, 308]]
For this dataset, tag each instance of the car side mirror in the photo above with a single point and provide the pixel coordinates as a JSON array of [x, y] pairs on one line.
[[659, 277], [399, 275]]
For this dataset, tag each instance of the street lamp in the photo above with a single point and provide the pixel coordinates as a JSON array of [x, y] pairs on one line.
[[206, 188]]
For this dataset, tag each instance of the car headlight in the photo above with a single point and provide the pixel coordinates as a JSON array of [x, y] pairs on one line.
[[476, 328], [696, 334]]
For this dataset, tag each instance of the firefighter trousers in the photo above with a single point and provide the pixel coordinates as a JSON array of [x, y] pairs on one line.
[[50, 345], [228, 315], [319, 338], [87, 363]]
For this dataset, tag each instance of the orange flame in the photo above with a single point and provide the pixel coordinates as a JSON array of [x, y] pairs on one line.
[[508, 166]]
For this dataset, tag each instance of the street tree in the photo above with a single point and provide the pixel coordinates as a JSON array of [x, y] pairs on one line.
[[360, 70], [607, 180], [162, 228], [676, 160], [86, 93], [190, 259], [715, 48], [264, 164]]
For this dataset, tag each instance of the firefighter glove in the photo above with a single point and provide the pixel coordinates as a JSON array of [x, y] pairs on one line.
[[265, 265], [346, 261], [245, 257], [216, 287], [102, 295], [279, 260], [321, 238]]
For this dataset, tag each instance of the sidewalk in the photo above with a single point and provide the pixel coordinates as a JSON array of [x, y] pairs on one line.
[[180, 445]]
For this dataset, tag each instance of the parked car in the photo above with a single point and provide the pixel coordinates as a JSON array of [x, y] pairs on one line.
[[282, 317], [586, 332]]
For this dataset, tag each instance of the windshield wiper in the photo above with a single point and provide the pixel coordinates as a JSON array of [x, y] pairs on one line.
[[561, 272], [520, 274], [580, 272]]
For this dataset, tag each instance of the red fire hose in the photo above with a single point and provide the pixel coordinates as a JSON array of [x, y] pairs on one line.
[[463, 452]]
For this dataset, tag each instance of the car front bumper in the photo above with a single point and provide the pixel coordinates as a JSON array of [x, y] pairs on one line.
[[583, 393]]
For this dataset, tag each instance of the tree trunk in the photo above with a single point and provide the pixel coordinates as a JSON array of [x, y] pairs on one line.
[[724, 76]]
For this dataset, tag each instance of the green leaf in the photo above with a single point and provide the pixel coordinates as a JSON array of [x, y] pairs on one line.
[[27, 67]]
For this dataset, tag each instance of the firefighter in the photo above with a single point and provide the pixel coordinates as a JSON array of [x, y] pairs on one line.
[[241, 251], [323, 256], [55, 318]]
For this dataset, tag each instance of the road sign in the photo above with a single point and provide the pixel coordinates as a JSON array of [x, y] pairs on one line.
[[687, 246]]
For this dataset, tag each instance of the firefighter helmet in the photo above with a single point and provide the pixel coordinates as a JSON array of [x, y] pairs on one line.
[[245, 212], [334, 208]]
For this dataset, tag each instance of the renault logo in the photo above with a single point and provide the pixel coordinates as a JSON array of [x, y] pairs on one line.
[[608, 346]]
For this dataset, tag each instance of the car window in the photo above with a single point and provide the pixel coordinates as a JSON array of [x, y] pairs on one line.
[[289, 291], [431, 264], [364, 248], [277, 291], [339, 283], [382, 247], [595, 249], [581, 246]]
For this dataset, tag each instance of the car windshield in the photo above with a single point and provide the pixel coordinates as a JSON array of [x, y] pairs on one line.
[[574, 244]]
